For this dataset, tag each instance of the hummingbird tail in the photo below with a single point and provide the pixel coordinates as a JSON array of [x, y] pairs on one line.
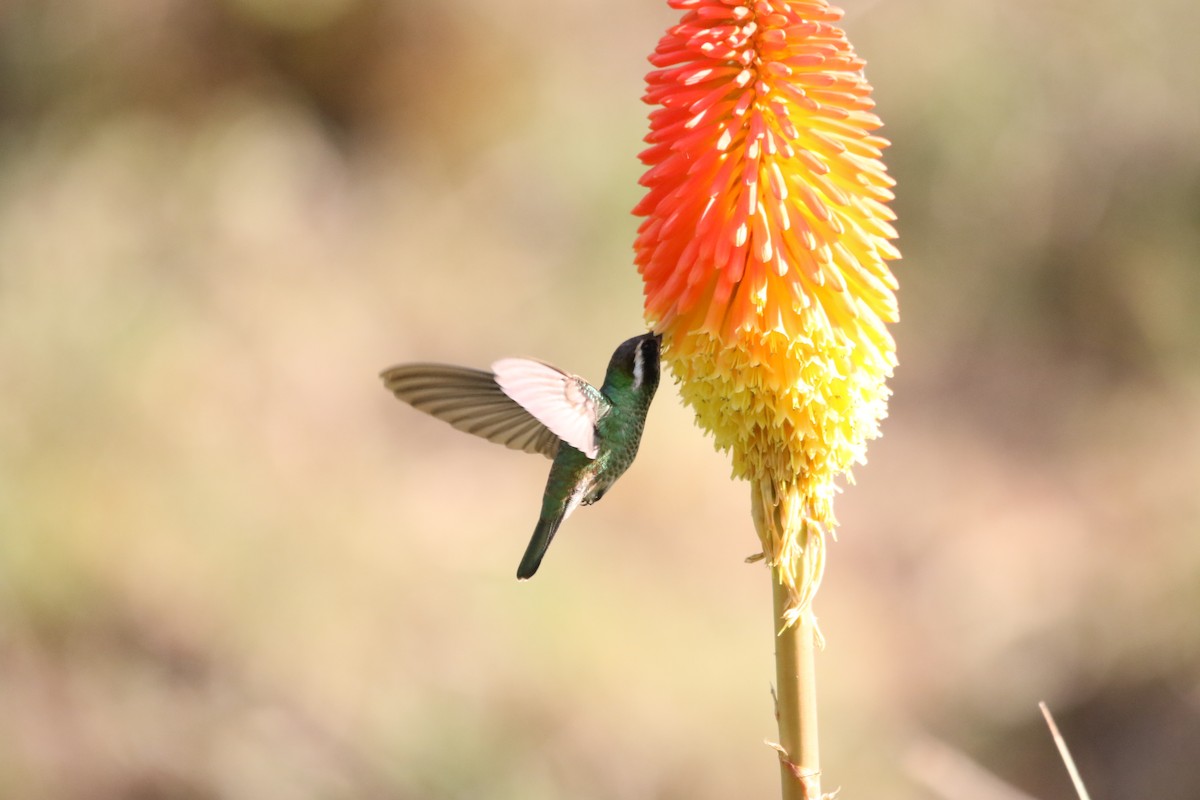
[[542, 535]]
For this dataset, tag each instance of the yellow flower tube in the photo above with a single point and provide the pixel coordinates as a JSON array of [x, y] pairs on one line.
[[763, 253]]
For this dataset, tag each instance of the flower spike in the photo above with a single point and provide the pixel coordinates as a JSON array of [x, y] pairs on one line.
[[763, 253]]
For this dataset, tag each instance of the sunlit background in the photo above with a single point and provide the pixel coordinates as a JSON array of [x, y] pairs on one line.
[[232, 566]]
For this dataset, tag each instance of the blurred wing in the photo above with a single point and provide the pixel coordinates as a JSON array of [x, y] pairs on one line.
[[472, 401], [566, 404]]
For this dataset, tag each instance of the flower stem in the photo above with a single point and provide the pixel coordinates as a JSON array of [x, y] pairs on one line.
[[795, 552], [796, 699]]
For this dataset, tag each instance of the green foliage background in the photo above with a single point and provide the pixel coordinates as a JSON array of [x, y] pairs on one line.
[[231, 566]]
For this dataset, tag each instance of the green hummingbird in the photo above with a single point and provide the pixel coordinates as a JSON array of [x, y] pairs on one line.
[[591, 434]]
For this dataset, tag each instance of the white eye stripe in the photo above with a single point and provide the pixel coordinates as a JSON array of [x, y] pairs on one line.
[[639, 368]]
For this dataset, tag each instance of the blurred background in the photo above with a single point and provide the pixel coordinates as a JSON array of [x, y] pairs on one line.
[[232, 566]]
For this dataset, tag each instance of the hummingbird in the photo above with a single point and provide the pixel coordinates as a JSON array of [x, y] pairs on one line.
[[591, 434]]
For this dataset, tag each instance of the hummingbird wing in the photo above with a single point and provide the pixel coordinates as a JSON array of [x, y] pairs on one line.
[[472, 401], [566, 404]]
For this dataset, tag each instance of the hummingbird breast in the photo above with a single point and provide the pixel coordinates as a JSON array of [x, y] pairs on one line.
[[620, 434]]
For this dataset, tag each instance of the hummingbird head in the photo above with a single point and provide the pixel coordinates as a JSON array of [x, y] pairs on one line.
[[636, 360]]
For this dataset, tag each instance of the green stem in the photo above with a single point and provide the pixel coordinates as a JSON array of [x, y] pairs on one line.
[[796, 699]]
